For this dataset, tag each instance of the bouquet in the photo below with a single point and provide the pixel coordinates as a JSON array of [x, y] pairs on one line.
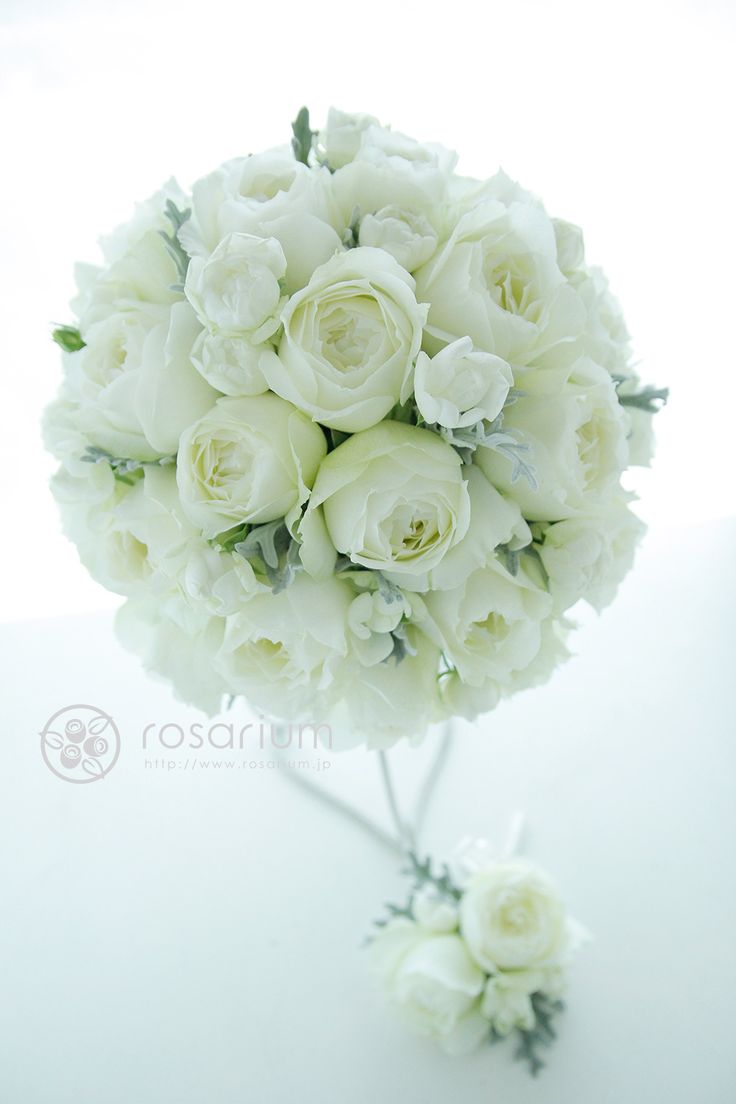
[[348, 431], [480, 951]]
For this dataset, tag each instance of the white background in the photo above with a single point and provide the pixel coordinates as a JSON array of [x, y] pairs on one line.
[[619, 115]]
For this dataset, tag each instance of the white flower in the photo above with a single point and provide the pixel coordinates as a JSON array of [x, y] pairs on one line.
[[434, 913], [271, 195], [496, 280], [350, 340], [587, 557], [231, 364], [147, 216], [247, 460], [574, 423], [340, 139], [134, 383], [171, 394], [385, 702], [512, 918], [406, 235], [236, 291], [489, 625], [139, 268], [217, 581], [177, 642], [373, 616], [507, 999], [494, 520], [639, 436], [392, 498], [282, 650], [461, 385], [433, 982], [391, 170], [132, 537]]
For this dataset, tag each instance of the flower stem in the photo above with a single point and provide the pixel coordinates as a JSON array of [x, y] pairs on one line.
[[403, 828]]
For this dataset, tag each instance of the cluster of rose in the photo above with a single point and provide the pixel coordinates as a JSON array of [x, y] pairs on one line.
[[348, 431]]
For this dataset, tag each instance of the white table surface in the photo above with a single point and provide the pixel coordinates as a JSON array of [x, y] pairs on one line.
[[193, 937]]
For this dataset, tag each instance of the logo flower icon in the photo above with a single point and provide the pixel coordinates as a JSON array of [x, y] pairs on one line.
[[80, 743]]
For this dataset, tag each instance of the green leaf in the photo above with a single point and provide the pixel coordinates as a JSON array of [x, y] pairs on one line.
[[335, 438], [422, 874], [649, 399], [543, 1034], [272, 549], [174, 247], [123, 468], [68, 338], [511, 558], [303, 136], [406, 414]]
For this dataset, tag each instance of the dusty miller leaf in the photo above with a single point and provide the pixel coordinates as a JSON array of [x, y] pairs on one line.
[[302, 136]]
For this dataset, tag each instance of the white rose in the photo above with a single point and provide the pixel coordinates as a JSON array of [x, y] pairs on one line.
[[282, 650], [139, 268], [459, 699], [507, 999], [494, 520], [433, 982], [461, 385], [640, 436], [132, 537], [231, 364], [88, 503], [147, 216], [587, 557], [392, 498], [570, 246], [350, 340], [553, 652], [512, 918], [434, 913], [406, 235], [373, 616], [489, 625], [391, 170], [639, 422], [496, 280], [340, 139], [178, 643], [247, 460], [103, 379], [388, 701], [236, 290], [218, 581], [171, 394], [466, 192], [575, 425], [272, 195], [134, 383]]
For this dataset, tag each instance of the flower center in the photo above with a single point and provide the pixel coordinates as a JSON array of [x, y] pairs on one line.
[[350, 336]]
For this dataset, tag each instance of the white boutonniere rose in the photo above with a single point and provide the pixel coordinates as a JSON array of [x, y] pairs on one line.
[[433, 982], [512, 918]]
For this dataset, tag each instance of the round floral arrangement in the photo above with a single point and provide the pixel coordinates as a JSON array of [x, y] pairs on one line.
[[348, 430]]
